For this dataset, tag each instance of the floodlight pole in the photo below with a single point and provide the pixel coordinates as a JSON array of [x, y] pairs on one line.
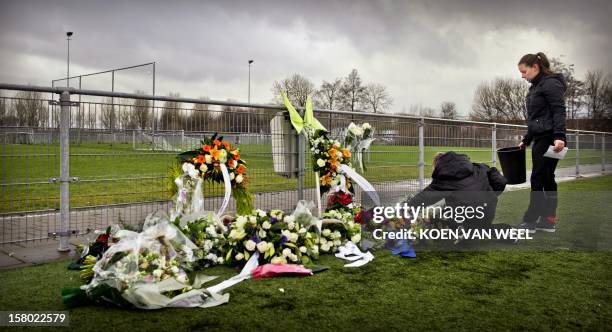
[[249, 99], [68, 35], [153, 117]]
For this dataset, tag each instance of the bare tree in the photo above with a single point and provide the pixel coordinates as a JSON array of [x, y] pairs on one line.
[[108, 114], [420, 110], [127, 119], [448, 110], [141, 110], [90, 117], [3, 111], [200, 116], [427, 112], [574, 95], [503, 99], [514, 93], [327, 96], [351, 93], [79, 117], [485, 104], [171, 118], [297, 88], [608, 99], [231, 119], [595, 86], [7, 118], [376, 98], [29, 109]]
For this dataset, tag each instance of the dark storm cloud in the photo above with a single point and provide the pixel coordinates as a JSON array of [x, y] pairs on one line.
[[415, 48]]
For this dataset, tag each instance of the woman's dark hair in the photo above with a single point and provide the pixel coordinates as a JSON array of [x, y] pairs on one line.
[[539, 58]]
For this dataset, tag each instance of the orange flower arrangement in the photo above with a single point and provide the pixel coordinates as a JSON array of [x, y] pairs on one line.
[[207, 161], [332, 154], [215, 153], [326, 179], [328, 155], [211, 154]]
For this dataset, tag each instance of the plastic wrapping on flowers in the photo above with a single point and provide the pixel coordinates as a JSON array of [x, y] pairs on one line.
[[189, 198], [358, 139], [209, 235], [149, 270]]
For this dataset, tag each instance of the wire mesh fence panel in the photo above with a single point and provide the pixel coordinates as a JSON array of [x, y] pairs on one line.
[[123, 156], [29, 163], [590, 156]]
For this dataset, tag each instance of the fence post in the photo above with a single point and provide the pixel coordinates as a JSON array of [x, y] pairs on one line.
[[494, 145], [64, 171], [301, 165], [577, 154], [603, 153], [421, 164]]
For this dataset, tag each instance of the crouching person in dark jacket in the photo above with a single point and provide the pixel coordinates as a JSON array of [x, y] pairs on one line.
[[469, 189]]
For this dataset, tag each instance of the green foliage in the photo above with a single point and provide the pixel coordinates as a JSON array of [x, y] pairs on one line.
[[244, 200], [87, 269], [174, 171]]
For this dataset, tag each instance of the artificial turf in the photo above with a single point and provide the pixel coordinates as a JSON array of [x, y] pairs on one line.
[[557, 281]]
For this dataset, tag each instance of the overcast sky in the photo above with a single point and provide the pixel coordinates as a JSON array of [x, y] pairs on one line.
[[424, 52]]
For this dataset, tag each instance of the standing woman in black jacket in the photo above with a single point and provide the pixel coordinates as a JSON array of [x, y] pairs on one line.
[[545, 127]]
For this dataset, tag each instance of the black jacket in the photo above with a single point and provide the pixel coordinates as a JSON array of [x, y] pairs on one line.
[[462, 183], [546, 108]]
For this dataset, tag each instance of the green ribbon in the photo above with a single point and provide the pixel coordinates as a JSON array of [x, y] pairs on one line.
[[296, 120]]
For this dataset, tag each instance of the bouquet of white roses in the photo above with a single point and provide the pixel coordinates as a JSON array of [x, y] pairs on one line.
[[339, 222], [277, 237], [335, 234]]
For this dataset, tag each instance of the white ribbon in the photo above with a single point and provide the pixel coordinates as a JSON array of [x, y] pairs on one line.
[[350, 252], [362, 182], [365, 144], [341, 186], [361, 147], [318, 194], [245, 274], [228, 190], [197, 199]]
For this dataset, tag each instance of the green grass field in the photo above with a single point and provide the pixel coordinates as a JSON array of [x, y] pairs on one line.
[[553, 282], [111, 174]]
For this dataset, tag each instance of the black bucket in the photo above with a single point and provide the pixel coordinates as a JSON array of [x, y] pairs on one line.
[[513, 164]]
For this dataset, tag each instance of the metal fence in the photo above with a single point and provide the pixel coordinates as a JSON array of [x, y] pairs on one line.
[[68, 168]]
